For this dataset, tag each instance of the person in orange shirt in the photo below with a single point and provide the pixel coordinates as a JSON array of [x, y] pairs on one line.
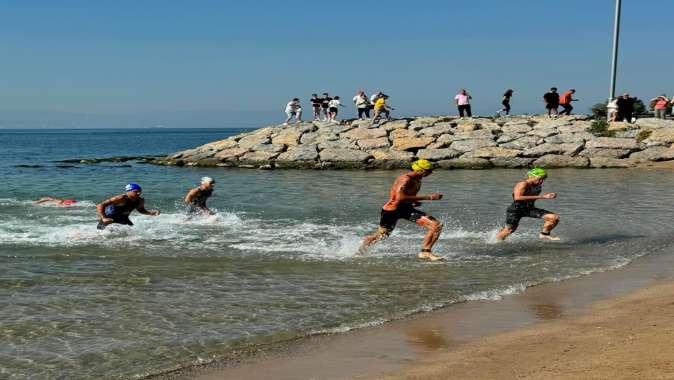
[[565, 101]]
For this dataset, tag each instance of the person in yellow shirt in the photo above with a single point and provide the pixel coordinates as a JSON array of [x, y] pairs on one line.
[[380, 107]]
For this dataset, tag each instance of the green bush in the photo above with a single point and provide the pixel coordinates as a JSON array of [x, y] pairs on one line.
[[599, 128]]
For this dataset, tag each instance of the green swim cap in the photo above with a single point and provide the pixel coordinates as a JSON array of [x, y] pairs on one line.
[[420, 165], [537, 172]]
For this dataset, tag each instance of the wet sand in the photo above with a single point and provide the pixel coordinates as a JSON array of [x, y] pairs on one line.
[[616, 324]]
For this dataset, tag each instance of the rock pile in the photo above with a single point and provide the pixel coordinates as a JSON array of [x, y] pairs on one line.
[[451, 143]]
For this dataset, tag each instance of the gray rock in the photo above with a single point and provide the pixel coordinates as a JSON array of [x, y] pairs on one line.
[[286, 137], [577, 127], [364, 133], [299, 153], [464, 163], [543, 133], [653, 123], [627, 134], [604, 153], [516, 128], [511, 162], [494, 151], [607, 162], [338, 144], [665, 136], [525, 142], [470, 145], [395, 124], [337, 129], [508, 138], [344, 155], [552, 124], [392, 155], [654, 154], [612, 143], [381, 142], [560, 161], [257, 157], [250, 141], [547, 149], [437, 130], [272, 148], [228, 154], [411, 143], [437, 154], [565, 138]]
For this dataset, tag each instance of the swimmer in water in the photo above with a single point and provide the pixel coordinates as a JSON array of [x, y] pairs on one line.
[[401, 205], [55, 201], [117, 209], [196, 198], [525, 194]]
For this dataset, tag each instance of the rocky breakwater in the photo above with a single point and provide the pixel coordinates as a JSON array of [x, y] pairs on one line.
[[450, 143]]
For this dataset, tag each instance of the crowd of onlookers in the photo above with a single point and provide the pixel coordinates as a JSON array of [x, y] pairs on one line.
[[375, 107]]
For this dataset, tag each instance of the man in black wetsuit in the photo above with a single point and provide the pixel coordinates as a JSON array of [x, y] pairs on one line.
[[118, 208], [525, 194], [196, 198]]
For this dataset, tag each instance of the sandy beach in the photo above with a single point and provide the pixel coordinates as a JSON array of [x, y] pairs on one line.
[[615, 324]]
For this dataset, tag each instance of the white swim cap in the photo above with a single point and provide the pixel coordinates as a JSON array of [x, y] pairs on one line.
[[207, 180]]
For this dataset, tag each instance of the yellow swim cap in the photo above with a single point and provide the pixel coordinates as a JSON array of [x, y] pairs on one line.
[[421, 165]]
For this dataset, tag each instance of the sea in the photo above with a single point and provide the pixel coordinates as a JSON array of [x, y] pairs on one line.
[[277, 262]]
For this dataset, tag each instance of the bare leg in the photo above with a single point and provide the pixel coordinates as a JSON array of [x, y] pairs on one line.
[[381, 233], [504, 233], [298, 117], [434, 228], [287, 119], [551, 221]]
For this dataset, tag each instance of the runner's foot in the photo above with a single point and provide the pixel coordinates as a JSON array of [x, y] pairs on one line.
[[548, 237], [429, 256]]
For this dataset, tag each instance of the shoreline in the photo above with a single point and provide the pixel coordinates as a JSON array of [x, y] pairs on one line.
[[403, 349]]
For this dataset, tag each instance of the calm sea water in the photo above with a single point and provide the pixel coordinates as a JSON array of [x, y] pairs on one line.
[[276, 262]]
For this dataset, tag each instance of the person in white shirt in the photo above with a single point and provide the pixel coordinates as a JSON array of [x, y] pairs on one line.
[[363, 105], [293, 109], [333, 107], [462, 100], [375, 96]]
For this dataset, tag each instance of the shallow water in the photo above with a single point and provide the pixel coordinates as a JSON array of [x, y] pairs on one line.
[[277, 261]]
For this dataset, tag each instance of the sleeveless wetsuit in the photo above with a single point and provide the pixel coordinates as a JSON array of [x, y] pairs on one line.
[[199, 200], [395, 209], [524, 209], [119, 213]]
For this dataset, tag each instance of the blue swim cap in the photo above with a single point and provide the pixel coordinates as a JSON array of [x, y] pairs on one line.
[[132, 186]]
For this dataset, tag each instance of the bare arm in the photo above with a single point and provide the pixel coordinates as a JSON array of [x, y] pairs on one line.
[[403, 197], [141, 209], [190, 195]]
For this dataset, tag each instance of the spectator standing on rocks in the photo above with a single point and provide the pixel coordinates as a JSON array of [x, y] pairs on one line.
[[625, 108], [375, 96], [362, 104], [565, 101], [325, 105], [380, 107], [551, 100], [462, 100], [612, 109], [660, 104], [316, 106], [506, 103], [293, 109], [333, 108]]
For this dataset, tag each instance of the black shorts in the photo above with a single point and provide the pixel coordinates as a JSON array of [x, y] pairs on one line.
[[552, 106], [513, 215], [389, 219], [124, 219], [333, 109]]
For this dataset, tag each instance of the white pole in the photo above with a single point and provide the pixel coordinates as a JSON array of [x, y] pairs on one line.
[[616, 35]]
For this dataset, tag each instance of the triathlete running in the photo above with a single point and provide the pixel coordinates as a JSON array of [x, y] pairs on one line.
[[525, 194], [197, 197], [117, 209], [401, 205]]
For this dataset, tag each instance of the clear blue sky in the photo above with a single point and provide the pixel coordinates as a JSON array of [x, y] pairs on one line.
[[155, 56]]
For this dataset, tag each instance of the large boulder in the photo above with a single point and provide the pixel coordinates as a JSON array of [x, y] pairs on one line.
[[257, 158], [228, 154], [272, 148], [657, 153], [552, 124], [525, 142], [402, 133], [287, 137], [470, 145], [607, 162], [565, 138], [298, 154], [252, 140], [464, 163], [605, 153], [422, 122], [662, 136], [437, 154], [575, 128], [546, 149], [344, 155], [392, 155], [511, 162], [654, 123], [411, 143], [221, 145], [612, 143], [493, 151], [364, 133], [543, 133], [437, 129], [338, 144], [561, 161], [395, 124], [516, 128], [380, 142]]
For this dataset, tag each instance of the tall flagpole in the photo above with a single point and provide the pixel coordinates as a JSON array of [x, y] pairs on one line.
[[614, 62]]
